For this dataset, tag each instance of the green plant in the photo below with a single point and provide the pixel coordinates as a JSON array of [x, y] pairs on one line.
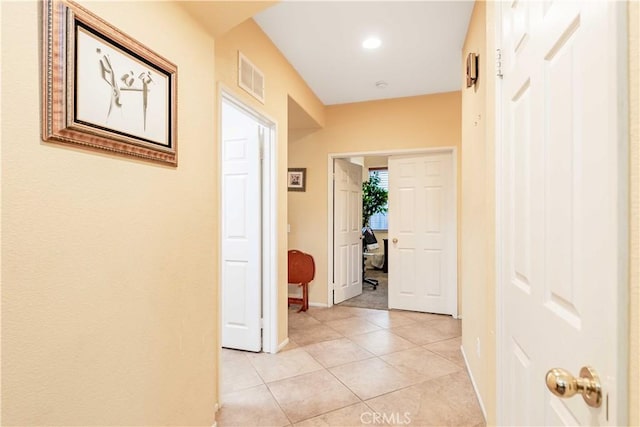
[[374, 198]]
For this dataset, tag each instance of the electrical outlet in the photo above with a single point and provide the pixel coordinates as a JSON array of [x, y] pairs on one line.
[[478, 346]]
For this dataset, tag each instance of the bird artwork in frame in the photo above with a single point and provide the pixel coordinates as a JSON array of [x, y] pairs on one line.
[[104, 90]]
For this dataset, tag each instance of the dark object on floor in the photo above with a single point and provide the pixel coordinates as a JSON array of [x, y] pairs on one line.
[[369, 243], [301, 271]]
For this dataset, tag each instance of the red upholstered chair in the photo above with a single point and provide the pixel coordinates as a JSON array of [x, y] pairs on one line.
[[301, 271]]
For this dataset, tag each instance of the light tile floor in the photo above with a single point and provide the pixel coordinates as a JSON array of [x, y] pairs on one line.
[[348, 366]]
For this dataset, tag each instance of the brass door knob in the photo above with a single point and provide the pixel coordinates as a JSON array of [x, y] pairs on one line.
[[561, 383], [395, 240]]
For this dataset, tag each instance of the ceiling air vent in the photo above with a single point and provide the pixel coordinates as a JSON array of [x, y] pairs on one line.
[[250, 78]]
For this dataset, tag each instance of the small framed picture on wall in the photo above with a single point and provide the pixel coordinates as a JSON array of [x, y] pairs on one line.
[[297, 179]]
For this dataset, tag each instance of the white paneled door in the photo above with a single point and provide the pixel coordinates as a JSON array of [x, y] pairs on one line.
[[562, 210], [347, 225], [241, 229], [422, 233]]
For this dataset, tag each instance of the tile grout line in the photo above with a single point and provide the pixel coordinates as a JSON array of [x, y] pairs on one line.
[[278, 403], [388, 364], [327, 370], [360, 400], [373, 355]]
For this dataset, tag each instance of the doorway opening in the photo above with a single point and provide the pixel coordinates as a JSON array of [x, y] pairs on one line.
[[373, 257], [248, 269], [247, 200], [425, 178]]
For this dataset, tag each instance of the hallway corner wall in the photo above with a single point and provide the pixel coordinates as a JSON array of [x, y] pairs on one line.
[[478, 276]]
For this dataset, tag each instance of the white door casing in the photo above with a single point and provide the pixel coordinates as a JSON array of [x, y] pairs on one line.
[[561, 204], [241, 230], [347, 249], [422, 233]]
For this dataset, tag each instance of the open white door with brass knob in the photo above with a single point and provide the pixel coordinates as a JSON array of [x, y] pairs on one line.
[[562, 212], [563, 384]]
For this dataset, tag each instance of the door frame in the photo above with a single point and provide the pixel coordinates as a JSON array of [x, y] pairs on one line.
[[499, 228], [624, 175], [399, 152], [269, 190]]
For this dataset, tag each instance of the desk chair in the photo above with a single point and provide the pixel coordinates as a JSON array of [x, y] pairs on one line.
[[367, 280], [369, 242]]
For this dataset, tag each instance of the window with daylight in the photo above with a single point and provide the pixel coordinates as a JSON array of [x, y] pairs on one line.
[[379, 221]]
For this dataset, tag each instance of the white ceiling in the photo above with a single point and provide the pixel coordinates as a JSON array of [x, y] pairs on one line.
[[421, 50]]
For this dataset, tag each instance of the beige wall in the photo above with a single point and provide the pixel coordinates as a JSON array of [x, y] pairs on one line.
[[477, 274], [404, 123], [110, 297], [376, 162], [634, 293], [218, 17], [108, 263], [281, 82]]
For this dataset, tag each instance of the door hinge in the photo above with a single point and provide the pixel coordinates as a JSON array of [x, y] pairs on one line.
[[499, 63]]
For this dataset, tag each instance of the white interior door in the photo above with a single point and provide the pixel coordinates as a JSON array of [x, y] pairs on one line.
[[347, 226], [241, 230], [562, 205], [422, 233]]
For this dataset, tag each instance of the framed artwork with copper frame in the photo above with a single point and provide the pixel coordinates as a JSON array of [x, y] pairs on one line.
[[103, 90]]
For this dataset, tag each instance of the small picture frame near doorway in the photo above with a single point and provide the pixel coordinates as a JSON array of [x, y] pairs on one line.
[[297, 179]]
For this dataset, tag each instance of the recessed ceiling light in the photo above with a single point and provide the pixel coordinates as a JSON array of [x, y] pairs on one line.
[[371, 43]]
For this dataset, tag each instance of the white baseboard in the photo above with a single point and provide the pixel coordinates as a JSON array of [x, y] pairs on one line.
[[317, 304], [473, 382], [282, 345]]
